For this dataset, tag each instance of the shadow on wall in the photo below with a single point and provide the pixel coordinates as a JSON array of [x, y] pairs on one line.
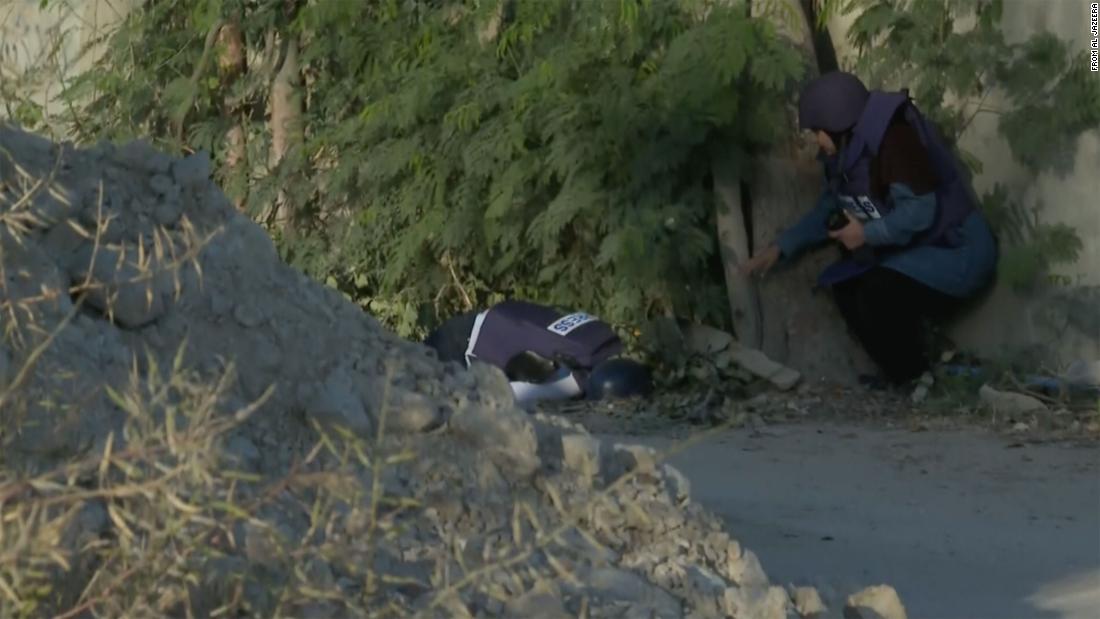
[[1059, 323], [1052, 328]]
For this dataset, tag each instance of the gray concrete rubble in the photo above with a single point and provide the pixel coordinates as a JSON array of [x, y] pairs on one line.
[[877, 601], [171, 264], [721, 352], [1009, 403]]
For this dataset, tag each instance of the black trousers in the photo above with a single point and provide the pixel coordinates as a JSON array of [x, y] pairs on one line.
[[890, 313]]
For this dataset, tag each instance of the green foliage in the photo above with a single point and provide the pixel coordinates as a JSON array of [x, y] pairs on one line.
[[1049, 94], [1051, 112], [445, 161], [456, 153], [919, 44], [1029, 247]]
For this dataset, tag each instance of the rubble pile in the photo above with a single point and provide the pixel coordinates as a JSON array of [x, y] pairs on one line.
[[121, 261]]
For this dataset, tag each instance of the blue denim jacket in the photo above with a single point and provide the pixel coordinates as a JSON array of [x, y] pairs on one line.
[[960, 271]]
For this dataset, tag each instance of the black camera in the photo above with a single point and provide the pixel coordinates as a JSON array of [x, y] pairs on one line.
[[863, 254], [837, 220]]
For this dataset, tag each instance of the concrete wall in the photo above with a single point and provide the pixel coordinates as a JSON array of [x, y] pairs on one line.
[[40, 48], [1065, 323]]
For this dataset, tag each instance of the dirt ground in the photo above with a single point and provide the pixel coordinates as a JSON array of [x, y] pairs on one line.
[[966, 516]]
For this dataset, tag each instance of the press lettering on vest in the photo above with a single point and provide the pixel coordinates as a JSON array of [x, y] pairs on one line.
[[868, 207], [566, 324], [860, 207]]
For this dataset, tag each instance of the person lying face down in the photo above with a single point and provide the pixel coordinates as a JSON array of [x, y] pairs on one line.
[[546, 354], [898, 202]]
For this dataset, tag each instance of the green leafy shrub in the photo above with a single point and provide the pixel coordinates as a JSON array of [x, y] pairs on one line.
[[561, 158], [458, 152]]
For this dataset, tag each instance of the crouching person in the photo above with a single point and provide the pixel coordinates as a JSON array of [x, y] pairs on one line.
[[546, 355], [917, 247]]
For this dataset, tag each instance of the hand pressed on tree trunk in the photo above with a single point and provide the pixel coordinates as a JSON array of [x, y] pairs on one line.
[[761, 262]]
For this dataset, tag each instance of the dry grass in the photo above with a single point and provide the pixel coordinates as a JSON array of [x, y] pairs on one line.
[[160, 520]]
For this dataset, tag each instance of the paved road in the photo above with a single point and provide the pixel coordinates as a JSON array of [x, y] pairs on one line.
[[962, 524]]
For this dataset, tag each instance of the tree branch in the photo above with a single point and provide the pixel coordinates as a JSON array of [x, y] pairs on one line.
[[200, 68]]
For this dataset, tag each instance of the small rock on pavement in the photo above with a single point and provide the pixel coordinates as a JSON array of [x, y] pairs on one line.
[[746, 570], [807, 602], [1007, 403], [761, 602], [880, 601]]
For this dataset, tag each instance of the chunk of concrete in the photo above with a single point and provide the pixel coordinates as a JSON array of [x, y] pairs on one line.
[[758, 364], [807, 602], [875, 602], [1008, 403], [707, 341]]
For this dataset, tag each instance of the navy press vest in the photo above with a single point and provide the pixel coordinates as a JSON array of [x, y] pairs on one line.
[[849, 178], [849, 172], [512, 327]]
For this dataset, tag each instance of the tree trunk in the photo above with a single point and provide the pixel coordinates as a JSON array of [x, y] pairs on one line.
[[286, 127], [232, 64], [822, 42], [791, 22], [801, 328], [732, 229], [733, 243], [491, 29]]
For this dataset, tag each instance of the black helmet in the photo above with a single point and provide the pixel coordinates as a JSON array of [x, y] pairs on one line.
[[832, 102], [618, 378]]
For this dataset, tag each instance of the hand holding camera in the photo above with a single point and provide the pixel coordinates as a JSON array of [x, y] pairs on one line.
[[849, 231]]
